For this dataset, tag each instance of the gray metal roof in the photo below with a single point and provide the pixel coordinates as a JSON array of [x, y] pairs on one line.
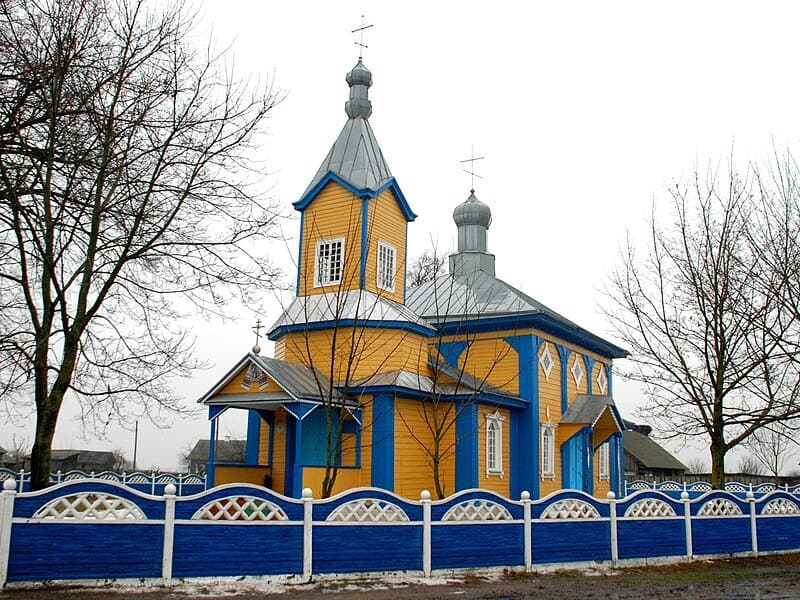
[[467, 379], [467, 384], [648, 452], [361, 305], [298, 380], [587, 408]]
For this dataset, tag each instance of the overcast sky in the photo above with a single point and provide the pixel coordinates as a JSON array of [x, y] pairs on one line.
[[584, 111]]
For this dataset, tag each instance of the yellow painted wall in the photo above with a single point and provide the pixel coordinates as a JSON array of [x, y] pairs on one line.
[[550, 410], [372, 351], [386, 223], [279, 451], [365, 472], [496, 483], [601, 486], [280, 349], [413, 471], [345, 480], [334, 213], [239, 474], [263, 443], [490, 359]]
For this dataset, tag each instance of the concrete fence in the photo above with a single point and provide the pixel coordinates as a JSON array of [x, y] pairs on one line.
[[100, 530], [152, 483], [698, 488]]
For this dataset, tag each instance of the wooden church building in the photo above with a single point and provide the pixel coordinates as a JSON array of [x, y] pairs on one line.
[[462, 382]]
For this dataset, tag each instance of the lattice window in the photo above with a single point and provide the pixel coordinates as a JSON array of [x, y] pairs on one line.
[[494, 444], [167, 478], [329, 262], [137, 479], [369, 510], [603, 460], [386, 266], [548, 451], [650, 508], [736, 488], [577, 371], [780, 506], [765, 488], [477, 510], [108, 476], [240, 508], [570, 509], [670, 486], [90, 506], [602, 380], [639, 485], [546, 360], [192, 479], [700, 487], [75, 475], [254, 375], [719, 507]]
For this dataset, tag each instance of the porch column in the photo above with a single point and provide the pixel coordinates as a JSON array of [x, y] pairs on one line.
[[467, 445], [253, 438], [213, 413], [383, 441]]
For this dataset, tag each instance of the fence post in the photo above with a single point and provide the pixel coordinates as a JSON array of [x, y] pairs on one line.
[[180, 484], [152, 483], [21, 481], [687, 514], [6, 514], [526, 529], [308, 540], [425, 498], [169, 533], [612, 511], [751, 500], [58, 476]]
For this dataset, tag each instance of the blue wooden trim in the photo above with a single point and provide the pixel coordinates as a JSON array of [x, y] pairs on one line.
[[383, 441], [269, 417], [299, 410], [362, 275], [300, 253], [368, 193], [563, 355], [253, 437], [212, 449], [525, 461], [589, 362], [278, 332], [297, 479], [615, 458], [405, 266], [451, 351], [540, 321], [589, 453], [486, 397], [467, 446], [609, 373]]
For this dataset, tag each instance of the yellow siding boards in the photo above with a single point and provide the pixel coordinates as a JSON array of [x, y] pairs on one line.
[[263, 443], [334, 213], [345, 480], [386, 223], [366, 441], [413, 465], [239, 474], [495, 483], [279, 451], [492, 360], [550, 411]]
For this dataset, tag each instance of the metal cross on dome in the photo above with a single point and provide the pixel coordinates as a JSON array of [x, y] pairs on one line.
[[257, 330], [471, 170], [360, 30]]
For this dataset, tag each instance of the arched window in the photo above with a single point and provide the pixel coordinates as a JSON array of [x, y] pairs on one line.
[[603, 460], [494, 444], [548, 451]]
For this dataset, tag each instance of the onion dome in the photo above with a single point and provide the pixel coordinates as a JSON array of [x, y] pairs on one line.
[[472, 212], [359, 79]]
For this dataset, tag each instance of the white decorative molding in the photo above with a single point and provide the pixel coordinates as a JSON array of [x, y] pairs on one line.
[[577, 371], [91, 506], [369, 510], [602, 380], [477, 510], [719, 507], [240, 508], [650, 508], [570, 509], [254, 375], [780, 506], [546, 360]]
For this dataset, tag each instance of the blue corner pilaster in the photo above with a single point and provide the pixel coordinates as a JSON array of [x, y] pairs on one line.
[[362, 274], [609, 374], [467, 446], [451, 351], [563, 354], [383, 441], [297, 477], [525, 452], [253, 438], [617, 462], [300, 253], [213, 413], [589, 362], [269, 419], [588, 481]]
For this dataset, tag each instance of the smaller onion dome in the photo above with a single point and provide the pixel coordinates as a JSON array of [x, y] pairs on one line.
[[359, 75], [472, 212], [359, 79]]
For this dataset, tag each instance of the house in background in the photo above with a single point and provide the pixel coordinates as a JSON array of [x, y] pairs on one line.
[[87, 461], [522, 395], [225, 452], [645, 459]]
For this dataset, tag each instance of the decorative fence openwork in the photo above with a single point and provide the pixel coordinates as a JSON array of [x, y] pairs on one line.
[[698, 488], [102, 530], [151, 483]]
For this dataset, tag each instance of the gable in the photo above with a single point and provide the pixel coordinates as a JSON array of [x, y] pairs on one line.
[[251, 378]]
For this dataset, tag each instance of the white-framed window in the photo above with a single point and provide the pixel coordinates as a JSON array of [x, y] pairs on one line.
[[494, 443], [577, 370], [603, 460], [602, 379], [329, 262], [546, 360], [387, 262], [548, 451]]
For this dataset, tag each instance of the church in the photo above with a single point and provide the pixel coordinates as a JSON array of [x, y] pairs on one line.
[[460, 382]]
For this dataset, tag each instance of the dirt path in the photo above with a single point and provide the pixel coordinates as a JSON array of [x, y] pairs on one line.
[[772, 577]]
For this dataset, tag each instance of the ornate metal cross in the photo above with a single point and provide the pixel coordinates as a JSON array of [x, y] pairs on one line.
[[471, 160], [360, 30]]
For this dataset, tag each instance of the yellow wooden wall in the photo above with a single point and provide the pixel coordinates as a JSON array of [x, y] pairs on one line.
[[550, 411], [263, 443], [335, 212], [372, 351], [601, 486], [495, 483], [490, 358], [386, 223], [413, 470], [279, 451], [365, 473], [345, 479]]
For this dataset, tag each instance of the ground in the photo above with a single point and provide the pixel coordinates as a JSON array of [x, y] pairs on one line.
[[766, 577]]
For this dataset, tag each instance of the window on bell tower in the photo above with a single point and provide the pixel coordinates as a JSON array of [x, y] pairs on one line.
[[329, 262], [386, 266]]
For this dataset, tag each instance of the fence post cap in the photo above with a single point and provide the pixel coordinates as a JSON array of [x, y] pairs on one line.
[[169, 490], [684, 495], [9, 485], [307, 493], [611, 495], [525, 495], [425, 495], [750, 496]]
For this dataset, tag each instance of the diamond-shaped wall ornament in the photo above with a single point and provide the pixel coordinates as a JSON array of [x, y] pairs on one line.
[[570, 509], [650, 508], [477, 510], [90, 506], [546, 360], [602, 380], [369, 510], [240, 508], [577, 370]]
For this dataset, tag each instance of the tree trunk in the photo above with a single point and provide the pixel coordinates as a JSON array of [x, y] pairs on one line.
[[46, 418], [718, 451]]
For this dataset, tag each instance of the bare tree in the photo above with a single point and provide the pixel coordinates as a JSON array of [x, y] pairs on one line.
[[748, 465], [773, 447], [125, 200], [703, 312], [697, 465], [426, 267], [19, 452]]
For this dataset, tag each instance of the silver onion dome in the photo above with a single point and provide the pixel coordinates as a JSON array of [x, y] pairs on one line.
[[359, 79], [472, 212]]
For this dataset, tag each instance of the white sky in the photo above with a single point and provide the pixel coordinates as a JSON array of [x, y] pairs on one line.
[[584, 110]]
